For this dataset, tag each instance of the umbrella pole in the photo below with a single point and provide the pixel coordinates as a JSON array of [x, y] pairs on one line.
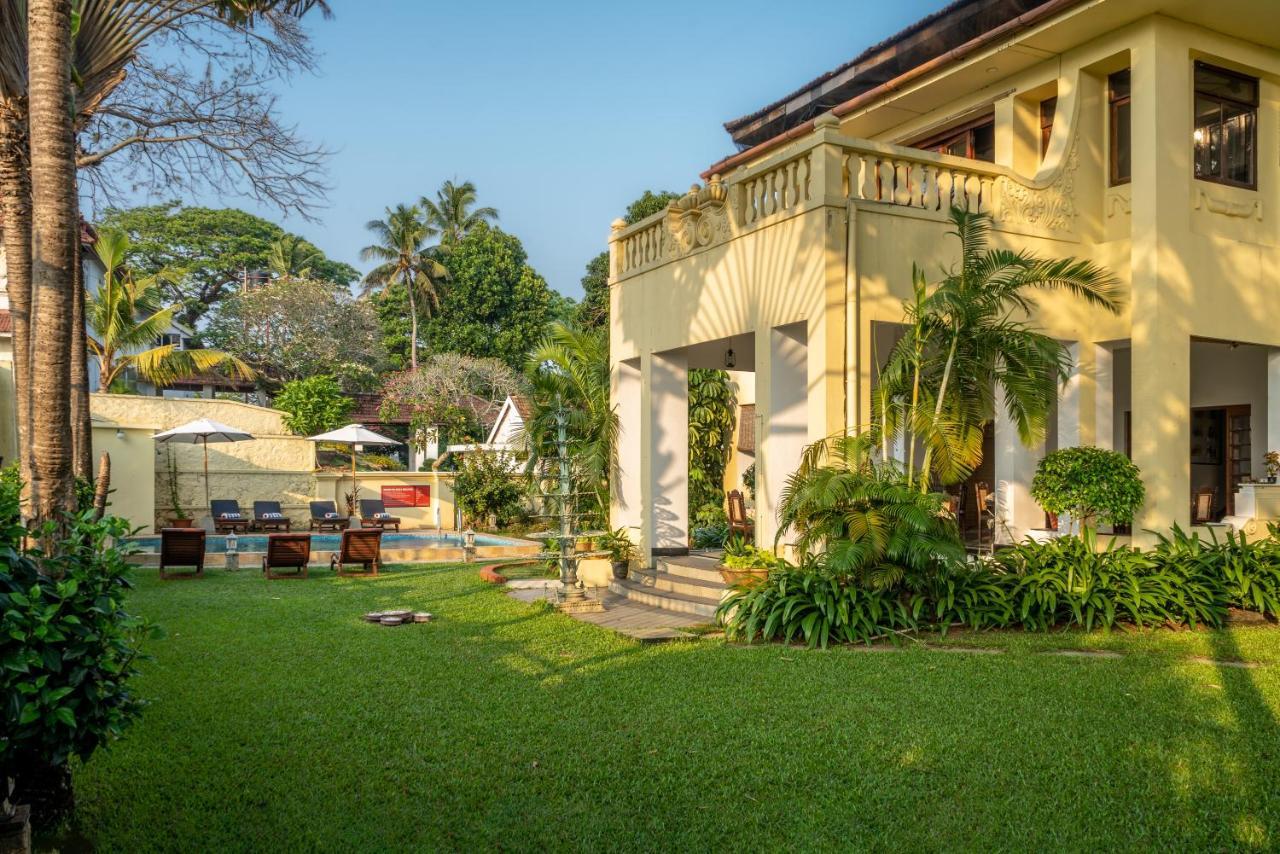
[[206, 471]]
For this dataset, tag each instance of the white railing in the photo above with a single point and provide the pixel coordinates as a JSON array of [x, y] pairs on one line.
[[855, 169]]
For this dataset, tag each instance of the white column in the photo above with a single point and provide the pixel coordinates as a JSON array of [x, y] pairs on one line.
[[626, 496], [1015, 465], [1104, 397], [785, 429], [1273, 403], [667, 504], [1069, 403]]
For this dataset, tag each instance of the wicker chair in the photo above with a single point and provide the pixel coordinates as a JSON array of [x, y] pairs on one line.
[[362, 546], [287, 551], [739, 522], [182, 547]]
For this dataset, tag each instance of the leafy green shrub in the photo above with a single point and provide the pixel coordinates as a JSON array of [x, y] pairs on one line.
[[314, 405], [739, 553], [1091, 485], [485, 486], [970, 594], [749, 481], [710, 528], [1067, 581], [1249, 571], [711, 410], [861, 512], [812, 603], [68, 649]]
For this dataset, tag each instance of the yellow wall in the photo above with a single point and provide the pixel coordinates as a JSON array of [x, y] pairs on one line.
[[132, 486], [820, 247], [332, 486]]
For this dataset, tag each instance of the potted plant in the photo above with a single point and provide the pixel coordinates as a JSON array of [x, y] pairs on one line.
[[1271, 459], [621, 552], [178, 518], [744, 565]]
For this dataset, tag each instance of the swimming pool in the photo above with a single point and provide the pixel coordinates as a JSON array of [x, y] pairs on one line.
[[217, 543]]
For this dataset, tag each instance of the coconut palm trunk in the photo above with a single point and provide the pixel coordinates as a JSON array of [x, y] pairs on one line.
[[81, 425], [54, 233], [15, 205]]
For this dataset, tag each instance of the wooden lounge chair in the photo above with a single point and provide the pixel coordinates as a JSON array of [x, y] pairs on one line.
[[181, 547], [739, 522], [287, 551], [373, 514], [267, 516], [325, 517], [362, 546], [227, 516]]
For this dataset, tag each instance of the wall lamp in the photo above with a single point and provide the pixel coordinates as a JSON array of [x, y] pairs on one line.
[[730, 358]]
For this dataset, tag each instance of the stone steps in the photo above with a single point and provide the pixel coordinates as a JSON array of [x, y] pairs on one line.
[[684, 585]]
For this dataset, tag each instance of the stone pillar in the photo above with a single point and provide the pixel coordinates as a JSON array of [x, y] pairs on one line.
[[626, 493], [783, 356], [665, 500], [1070, 398], [1161, 289]]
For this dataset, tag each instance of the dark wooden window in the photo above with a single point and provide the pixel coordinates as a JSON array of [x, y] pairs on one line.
[[1225, 139], [1048, 109], [1120, 128], [975, 140]]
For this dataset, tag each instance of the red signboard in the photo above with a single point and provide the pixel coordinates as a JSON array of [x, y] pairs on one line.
[[406, 496]]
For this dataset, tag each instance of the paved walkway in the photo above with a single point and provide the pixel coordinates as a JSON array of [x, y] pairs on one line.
[[640, 622]]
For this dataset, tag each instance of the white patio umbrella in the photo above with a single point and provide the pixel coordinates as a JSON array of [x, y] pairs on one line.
[[202, 431], [353, 435]]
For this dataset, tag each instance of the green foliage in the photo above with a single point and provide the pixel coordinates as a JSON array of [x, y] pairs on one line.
[[485, 486], [962, 345], [1090, 484], [874, 527], [569, 370], [749, 480], [67, 646], [620, 547], [496, 304], [391, 305], [205, 252], [711, 417], [739, 553], [313, 405], [1250, 570], [812, 604], [593, 311], [710, 527], [291, 329]]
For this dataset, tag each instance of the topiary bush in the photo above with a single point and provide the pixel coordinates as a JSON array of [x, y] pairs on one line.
[[1091, 485], [485, 486]]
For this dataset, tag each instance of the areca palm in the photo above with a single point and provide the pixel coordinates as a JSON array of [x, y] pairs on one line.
[[406, 259], [453, 213], [126, 315], [967, 348], [569, 372]]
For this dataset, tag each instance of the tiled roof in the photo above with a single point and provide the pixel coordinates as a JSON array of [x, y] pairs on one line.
[[6, 322], [368, 410]]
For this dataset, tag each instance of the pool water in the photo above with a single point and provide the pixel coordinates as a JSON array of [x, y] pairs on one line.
[[217, 543]]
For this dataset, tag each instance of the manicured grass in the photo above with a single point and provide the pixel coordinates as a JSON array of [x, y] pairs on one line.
[[282, 722]]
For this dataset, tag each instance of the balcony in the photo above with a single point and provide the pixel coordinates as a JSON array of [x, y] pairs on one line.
[[826, 169]]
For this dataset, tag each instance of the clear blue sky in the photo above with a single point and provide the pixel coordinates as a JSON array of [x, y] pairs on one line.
[[561, 113]]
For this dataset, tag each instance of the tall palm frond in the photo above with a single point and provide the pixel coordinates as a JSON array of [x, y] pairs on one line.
[[453, 213], [292, 257], [406, 259]]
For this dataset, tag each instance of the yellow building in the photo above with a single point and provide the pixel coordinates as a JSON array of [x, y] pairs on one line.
[[1141, 134]]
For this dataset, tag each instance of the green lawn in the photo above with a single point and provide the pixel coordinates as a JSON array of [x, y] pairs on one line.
[[281, 722]]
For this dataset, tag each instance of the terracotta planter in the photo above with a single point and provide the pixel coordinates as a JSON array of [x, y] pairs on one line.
[[743, 577], [182, 523]]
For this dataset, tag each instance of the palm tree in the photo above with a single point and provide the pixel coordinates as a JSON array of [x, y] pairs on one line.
[[453, 214], [965, 342], [292, 257], [126, 315], [569, 370], [406, 260]]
